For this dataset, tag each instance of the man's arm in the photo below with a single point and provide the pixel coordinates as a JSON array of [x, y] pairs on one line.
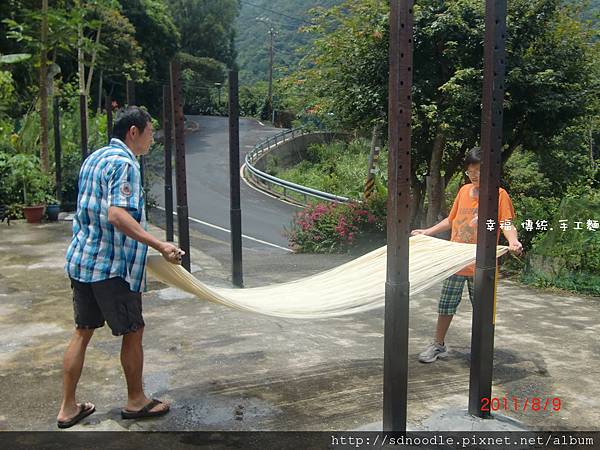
[[127, 225], [440, 227]]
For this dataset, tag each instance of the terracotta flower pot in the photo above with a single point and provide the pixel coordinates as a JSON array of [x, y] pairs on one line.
[[33, 214]]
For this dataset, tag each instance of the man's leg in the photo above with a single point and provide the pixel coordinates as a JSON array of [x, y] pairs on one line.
[[72, 367], [132, 360]]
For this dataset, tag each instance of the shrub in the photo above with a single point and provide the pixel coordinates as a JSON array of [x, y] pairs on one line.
[[326, 228]]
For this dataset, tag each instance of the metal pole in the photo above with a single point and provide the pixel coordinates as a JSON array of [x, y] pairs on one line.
[[57, 150], [482, 338], [167, 128], [373, 158], [270, 92], [183, 225], [83, 121], [130, 87], [395, 351], [109, 116], [235, 215], [130, 92]]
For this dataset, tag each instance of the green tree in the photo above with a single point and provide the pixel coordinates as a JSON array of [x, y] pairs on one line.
[[552, 73], [206, 27], [159, 38]]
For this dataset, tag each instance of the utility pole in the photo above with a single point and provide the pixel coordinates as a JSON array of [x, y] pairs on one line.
[[271, 32], [270, 94]]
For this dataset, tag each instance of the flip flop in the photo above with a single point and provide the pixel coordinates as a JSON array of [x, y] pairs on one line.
[[145, 411], [82, 414]]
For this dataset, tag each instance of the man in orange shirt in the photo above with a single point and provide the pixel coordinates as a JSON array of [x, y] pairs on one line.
[[462, 220]]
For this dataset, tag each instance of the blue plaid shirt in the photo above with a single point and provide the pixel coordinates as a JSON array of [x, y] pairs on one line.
[[98, 251]]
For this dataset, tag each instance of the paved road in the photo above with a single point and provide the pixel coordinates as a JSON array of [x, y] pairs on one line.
[[263, 217]]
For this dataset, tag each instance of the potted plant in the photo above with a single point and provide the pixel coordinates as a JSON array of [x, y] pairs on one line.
[[52, 208], [35, 185]]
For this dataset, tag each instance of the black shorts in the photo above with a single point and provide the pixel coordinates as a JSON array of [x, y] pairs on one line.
[[108, 300]]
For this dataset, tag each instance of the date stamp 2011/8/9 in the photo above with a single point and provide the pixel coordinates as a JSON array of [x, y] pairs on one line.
[[552, 404]]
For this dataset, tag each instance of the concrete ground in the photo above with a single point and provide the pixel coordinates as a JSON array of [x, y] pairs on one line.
[[226, 370]]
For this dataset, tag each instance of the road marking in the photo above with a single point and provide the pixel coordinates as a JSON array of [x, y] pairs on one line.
[[216, 227], [262, 124]]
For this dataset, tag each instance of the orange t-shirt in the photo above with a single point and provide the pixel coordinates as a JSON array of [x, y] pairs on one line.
[[463, 218]]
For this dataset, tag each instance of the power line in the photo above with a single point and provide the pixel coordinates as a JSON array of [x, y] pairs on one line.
[[245, 2]]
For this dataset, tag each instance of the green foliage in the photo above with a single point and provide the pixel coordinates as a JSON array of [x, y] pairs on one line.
[[326, 228], [252, 99], [159, 39], [199, 76], [552, 79], [287, 17], [339, 168], [25, 178], [7, 90], [567, 258], [206, 27]]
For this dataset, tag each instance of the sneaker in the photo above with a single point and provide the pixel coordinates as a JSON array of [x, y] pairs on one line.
[[433, 352]]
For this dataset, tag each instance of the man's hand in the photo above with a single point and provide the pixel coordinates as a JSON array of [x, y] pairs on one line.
[[515, 247], [171, 253], [424, 231]]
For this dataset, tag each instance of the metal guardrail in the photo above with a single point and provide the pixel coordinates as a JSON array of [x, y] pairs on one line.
[[277, 186]]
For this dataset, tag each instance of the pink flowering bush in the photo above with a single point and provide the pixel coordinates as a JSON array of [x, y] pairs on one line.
[[330, 227]]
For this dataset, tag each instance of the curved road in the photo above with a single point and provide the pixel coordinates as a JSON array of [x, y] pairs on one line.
[[207, 161]]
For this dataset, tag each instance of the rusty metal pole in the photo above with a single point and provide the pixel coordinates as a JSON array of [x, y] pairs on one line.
[[109, 116], [395, 351], [235, 212], [183, 225], [57, 150], [130, 92], [168, 140], [482, 337], [83, 122]]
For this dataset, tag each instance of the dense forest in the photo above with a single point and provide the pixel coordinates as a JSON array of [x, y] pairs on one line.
[[287, 18]]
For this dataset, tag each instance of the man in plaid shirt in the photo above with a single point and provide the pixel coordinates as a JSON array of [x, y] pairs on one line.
[[106, 262]]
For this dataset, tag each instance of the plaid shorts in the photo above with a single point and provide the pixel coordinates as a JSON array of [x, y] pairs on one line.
[[452, 290]]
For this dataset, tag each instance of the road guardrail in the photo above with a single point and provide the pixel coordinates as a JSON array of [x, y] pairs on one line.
[[287, 190]]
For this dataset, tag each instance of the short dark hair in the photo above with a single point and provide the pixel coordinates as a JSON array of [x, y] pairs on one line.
[[473, 156], [129, 117]]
